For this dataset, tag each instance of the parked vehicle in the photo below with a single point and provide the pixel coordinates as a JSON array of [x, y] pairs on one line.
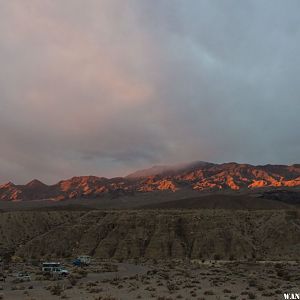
[[54, 268], [23, 276], [60, 271], [83, 260], [50, 266]]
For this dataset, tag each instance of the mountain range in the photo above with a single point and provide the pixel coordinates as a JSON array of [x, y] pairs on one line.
[[197, 176]]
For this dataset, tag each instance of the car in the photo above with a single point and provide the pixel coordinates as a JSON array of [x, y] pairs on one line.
[[81, 261], [23, 276]]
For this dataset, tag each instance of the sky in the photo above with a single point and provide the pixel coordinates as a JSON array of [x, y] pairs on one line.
[[105, 87]]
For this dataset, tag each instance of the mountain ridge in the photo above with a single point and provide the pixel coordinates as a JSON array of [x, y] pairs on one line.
[[198, 176]]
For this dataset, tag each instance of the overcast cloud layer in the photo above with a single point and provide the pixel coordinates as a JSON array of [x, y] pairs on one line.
[[106, 87]]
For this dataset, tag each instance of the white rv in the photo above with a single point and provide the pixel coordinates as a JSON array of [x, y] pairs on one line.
[[54, 268]]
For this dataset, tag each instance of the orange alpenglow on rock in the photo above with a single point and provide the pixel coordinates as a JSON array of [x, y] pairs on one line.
[[197, 176]]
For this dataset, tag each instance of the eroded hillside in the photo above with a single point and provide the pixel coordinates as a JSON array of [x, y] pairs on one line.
[[196, 234]]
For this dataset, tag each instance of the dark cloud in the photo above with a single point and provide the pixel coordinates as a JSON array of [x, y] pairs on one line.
[[104, 87]]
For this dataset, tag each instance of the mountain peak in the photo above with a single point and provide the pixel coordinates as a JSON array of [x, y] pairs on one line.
[[35, 183]]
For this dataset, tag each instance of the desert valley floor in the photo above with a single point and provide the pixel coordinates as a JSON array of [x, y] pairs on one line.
[[152, 253], [167, 279]]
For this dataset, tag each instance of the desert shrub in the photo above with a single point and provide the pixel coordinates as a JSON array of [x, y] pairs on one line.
[[283, 274], [17, 288], [251, 296], [267, 294], [39, 278], [172, 287], [16, 281], [252, 282], [232, 257], [91, 283], [280, 273], [16, 259], [278, 266], [95, 290], [35, 263], [209, 292], [193, 293], [56, 289], [292, 214], [217, 257], [80, 273], [73, 280]]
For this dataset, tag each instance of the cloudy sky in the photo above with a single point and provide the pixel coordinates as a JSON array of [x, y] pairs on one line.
[[105, 87]]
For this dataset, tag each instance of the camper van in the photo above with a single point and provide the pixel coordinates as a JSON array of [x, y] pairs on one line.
[[54, 268]]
